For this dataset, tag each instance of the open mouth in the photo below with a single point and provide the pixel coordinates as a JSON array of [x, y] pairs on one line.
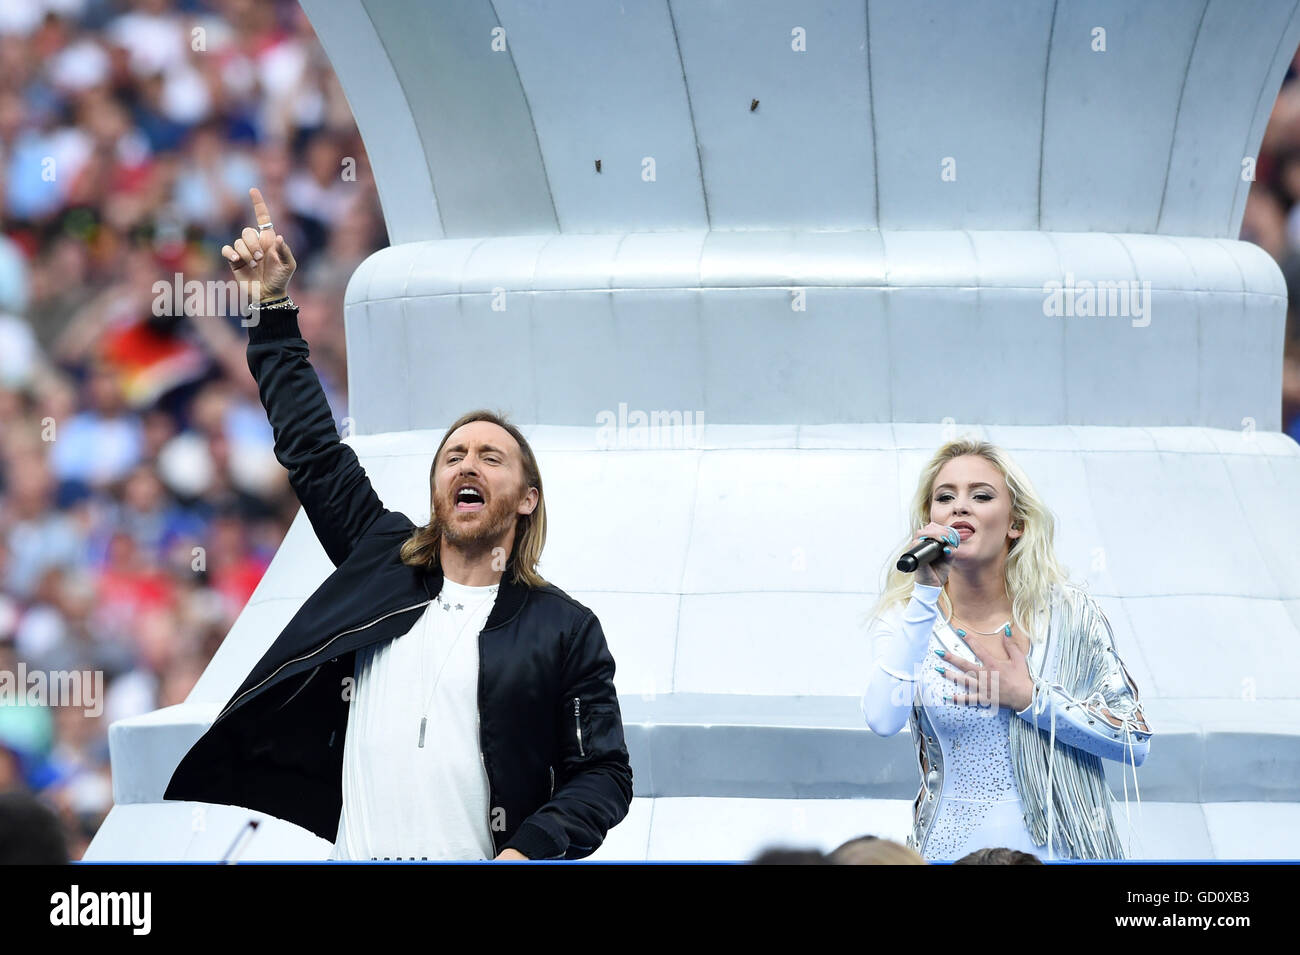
[[469, 499], [964, 530]]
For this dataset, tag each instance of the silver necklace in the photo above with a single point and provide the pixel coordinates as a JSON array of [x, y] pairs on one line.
[[473, 614], [1005, 629]]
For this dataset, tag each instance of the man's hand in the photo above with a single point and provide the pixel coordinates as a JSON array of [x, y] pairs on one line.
[[511, 855], [260, 258]]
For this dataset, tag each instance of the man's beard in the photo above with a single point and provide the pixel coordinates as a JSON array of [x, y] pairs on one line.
[[495, 520]]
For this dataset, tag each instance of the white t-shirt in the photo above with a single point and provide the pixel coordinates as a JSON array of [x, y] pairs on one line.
[[402, 800]]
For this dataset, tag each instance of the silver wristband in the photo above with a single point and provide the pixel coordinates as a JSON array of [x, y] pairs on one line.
[[283, 301]]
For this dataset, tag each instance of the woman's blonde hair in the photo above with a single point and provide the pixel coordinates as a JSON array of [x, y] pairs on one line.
[[1031, 568], [421, 549]]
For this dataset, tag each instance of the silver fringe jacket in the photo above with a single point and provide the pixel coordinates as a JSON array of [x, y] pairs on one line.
[[1058, 741]]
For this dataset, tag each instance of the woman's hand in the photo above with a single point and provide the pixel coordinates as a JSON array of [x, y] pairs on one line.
[[997, 680], [260, 258], [935, 573]]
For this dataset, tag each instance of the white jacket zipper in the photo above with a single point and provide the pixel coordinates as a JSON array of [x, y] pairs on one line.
[[577, 725], [298, 659]]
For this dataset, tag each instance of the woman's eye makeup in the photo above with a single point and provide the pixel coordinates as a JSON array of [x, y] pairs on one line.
[[942, 498]]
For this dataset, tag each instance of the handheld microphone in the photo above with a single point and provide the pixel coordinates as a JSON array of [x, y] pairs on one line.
[[924, 552]]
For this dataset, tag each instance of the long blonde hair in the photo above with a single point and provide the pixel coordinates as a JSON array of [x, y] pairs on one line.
[[422, 548], [1031, 568]]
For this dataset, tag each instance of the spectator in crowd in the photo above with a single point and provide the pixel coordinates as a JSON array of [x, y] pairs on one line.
[[30, 834], [872, 850], [862, 850], [140, 500], [1272, 221], [998, 857], [98, 446], [781, 856]]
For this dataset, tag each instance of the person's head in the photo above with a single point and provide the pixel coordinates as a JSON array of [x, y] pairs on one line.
[[31, 486], [11, 769], [30, 833], [485, 493], [973, 481], [998, 856], [142, 492], [779, 855], [872, 850], [104, 390], [159, 427], [322, 157]]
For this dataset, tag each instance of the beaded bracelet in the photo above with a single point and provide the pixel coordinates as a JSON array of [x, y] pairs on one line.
[[283, 302]]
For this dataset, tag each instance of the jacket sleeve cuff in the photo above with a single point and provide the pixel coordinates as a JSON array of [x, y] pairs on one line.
[[535, 842], [272, 325], [1078, 726]]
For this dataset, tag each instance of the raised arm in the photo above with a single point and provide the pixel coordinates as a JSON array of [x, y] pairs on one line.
[[899, 641], [898, 645], [325, 474]]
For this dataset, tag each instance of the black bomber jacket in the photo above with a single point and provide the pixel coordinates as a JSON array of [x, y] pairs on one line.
[[550, 729]]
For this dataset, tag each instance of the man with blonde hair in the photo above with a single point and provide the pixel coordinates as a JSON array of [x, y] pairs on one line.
[[435, 698]]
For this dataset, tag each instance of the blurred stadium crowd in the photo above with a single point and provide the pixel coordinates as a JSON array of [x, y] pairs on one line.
[[139, 499], [1272, 221]]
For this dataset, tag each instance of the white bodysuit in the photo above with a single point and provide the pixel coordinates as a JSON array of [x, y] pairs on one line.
[[979, 806]]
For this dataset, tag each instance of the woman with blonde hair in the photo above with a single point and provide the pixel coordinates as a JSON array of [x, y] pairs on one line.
[[1005, 672]]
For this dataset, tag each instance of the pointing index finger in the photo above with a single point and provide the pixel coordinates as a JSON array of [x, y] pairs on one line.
[[262, 213]]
